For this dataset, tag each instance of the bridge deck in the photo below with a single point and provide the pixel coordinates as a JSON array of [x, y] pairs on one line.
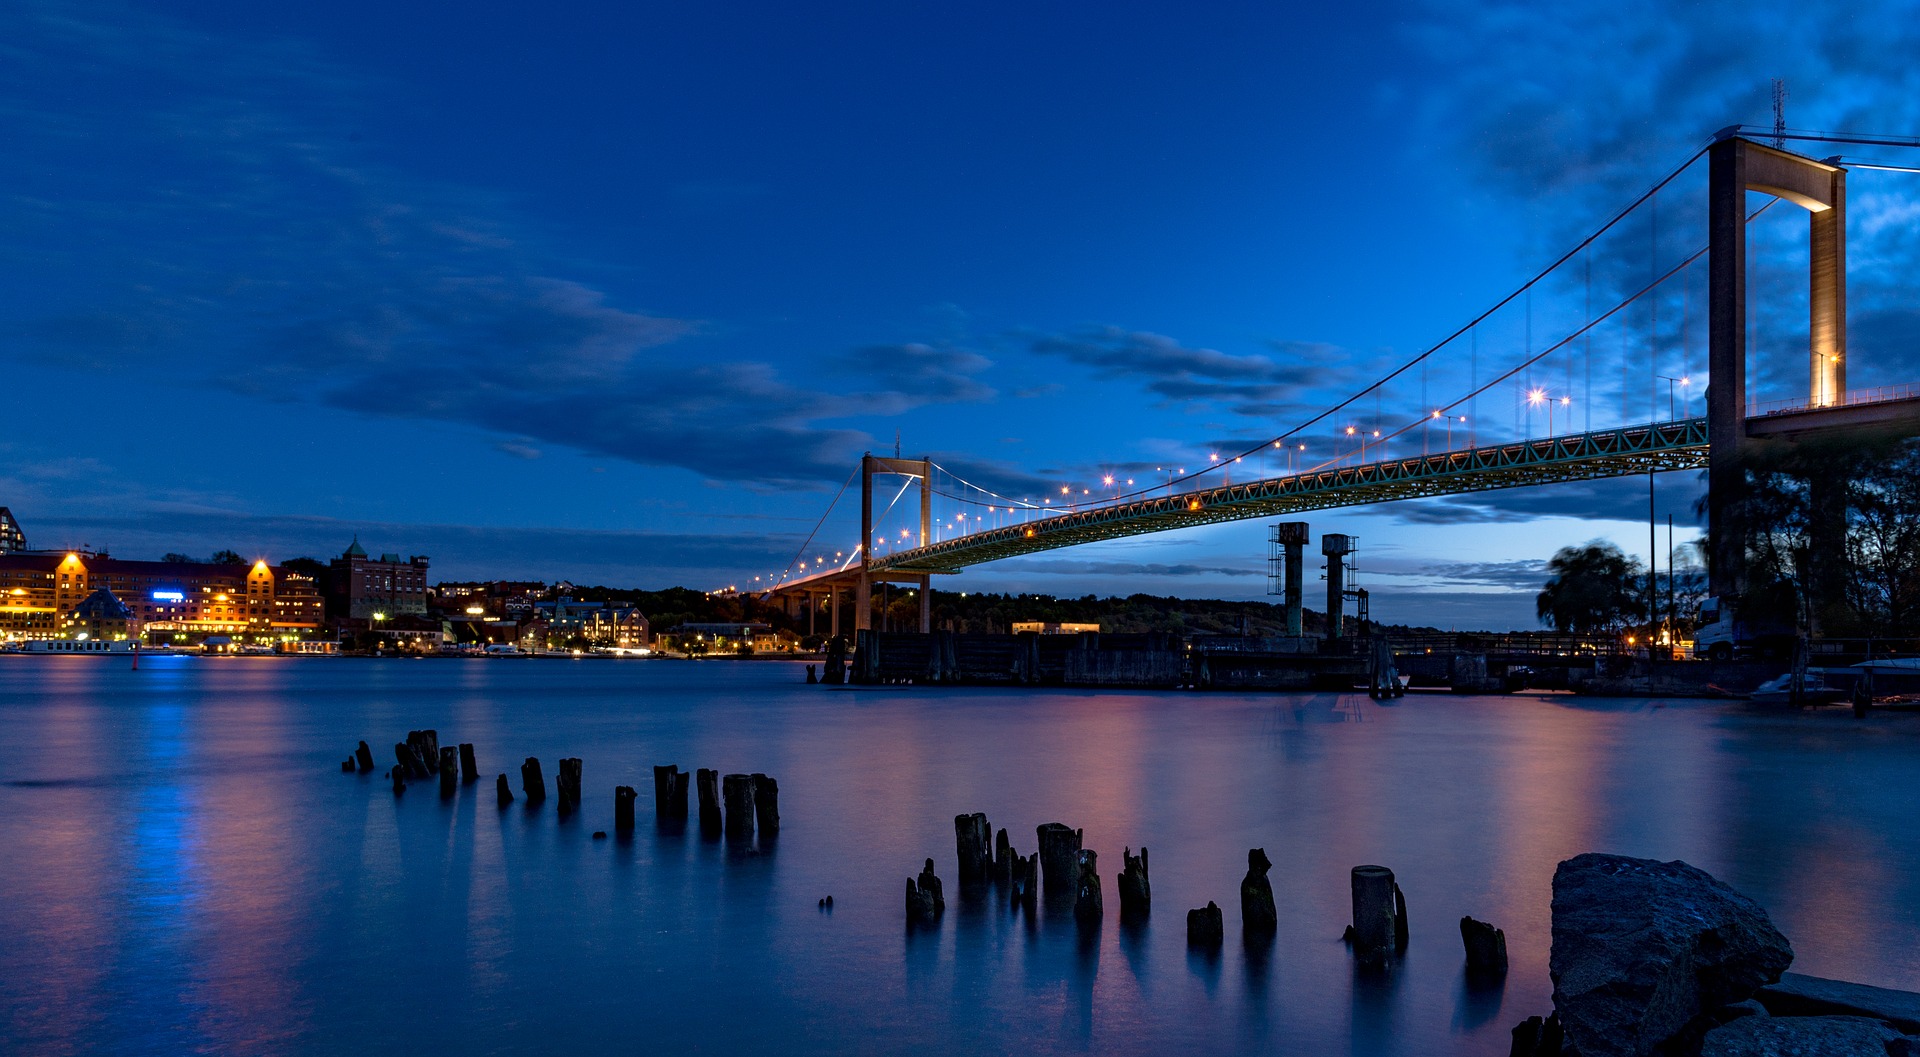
[[1620, 452]]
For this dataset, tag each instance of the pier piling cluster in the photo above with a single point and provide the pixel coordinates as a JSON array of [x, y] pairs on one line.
[[752, 801]]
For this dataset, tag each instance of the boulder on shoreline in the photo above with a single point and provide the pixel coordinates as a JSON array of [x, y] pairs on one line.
[[1642, 950], [1800, 1037]]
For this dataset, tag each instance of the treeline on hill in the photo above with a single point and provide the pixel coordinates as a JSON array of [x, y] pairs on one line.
[[899, 610]]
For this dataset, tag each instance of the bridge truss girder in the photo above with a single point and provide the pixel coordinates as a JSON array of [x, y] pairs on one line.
[[1624, 452]]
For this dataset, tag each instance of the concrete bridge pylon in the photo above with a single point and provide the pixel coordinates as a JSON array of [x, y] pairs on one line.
[[1736, 166]]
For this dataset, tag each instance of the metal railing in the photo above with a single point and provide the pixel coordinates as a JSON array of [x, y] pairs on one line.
[[1876, 395]]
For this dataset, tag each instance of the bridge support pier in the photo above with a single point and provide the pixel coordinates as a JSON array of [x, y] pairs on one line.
[[1336, 547], [926, 604], [1292, 537], [1736, 166]]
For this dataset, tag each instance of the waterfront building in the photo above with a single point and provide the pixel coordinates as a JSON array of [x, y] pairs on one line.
[[364, 588], [100, 617], [12, 539], [1049, 627], [165, 601]]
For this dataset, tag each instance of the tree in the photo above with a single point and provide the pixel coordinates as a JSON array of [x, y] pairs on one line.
[[179, 559], [1594, 589], [226, 557]]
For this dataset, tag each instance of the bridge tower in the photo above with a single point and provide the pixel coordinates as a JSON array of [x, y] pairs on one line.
[[871, 464], [1736, 166]]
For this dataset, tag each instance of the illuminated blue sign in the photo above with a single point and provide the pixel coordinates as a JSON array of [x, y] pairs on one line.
[[169, 596]]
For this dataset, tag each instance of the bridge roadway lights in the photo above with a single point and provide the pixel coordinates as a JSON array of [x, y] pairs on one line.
[[1291, 536], [1336, 547]]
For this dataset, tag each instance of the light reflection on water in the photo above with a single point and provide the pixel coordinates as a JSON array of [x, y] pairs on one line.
[[186, 869]]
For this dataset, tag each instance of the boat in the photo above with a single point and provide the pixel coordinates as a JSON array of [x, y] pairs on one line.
[[88, 646], [1813, 690]]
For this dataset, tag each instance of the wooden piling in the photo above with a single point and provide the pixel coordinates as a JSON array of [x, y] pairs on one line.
[[623, 798], [409, 762], [399, 780], [1059, 854], [503, 790], [931, 883], [346, 766], [449, 776], [469, 769], [812, 677], [1486, 947], [1087, 903], [736, 790], [1136, 895], [925, 903], [364, 756], [532, 783], [1023, 881], [1374, 927], [766, 804], [1257, 914], [670, 792], [1206, 927], [1002, 858], [427, 744], [568, 784], [972, 844], [708, 782]]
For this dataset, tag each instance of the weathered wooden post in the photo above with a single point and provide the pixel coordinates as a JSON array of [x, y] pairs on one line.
[[1059, 854], [449, 776], [1206, 927], [1136, 895], [503, 791], [1257, 914], [399, 780], [427, 744], [1023, 880], [409, 760], [532, 783], [670, 793], [1087, 903], [737, 791], [971, 844], [1002, 858], [1375, 925], [811, 677], [346, 766], [925, 901], [836, 672], [568, 784], [766, 804], [623, 798], [708, 781], [469, 770], [1486, 947], [364, 756]]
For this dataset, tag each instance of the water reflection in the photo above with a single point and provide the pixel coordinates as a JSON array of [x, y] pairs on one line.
[[187, 867]]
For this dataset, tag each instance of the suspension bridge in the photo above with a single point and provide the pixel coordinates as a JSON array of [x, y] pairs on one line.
[[990, 526]]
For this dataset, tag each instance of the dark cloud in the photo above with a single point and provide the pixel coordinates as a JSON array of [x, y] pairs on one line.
[[1251, 384], [1615, 499], [1525, 575], [259, 250]]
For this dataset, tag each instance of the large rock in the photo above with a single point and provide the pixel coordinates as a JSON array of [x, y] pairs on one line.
[[1641, 948], [1800, 1037], [1810, 996]]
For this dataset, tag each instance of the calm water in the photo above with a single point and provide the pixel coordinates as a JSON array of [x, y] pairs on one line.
[[185, 869]]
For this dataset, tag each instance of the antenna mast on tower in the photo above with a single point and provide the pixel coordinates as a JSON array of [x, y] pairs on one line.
[[1779, 113]]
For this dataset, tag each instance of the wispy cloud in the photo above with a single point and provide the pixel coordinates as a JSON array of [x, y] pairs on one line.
[[1253, 384], [255, 247]]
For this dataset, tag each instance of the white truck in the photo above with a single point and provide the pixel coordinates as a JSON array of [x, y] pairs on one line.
[[1720, 636]]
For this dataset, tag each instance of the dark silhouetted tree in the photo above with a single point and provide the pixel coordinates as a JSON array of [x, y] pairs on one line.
[[1593, 589]]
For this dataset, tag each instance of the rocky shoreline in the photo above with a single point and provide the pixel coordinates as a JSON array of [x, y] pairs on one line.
[[1653, 958]]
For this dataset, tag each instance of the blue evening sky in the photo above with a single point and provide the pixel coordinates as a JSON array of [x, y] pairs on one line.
[[620, 292]]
